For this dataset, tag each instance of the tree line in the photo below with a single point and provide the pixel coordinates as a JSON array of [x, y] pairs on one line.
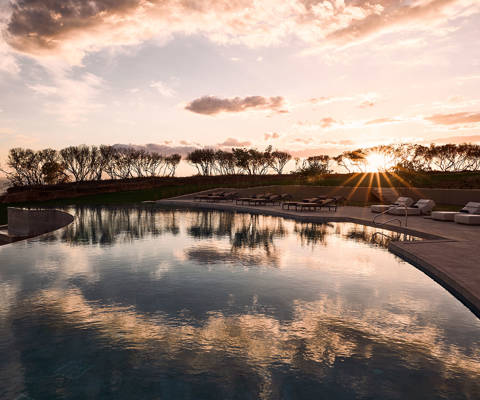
[[395, 158], [238, 161], [92, 163], [85, 163], [415, 158]]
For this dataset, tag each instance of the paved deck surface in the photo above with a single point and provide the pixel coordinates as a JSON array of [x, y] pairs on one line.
[[450, 255]]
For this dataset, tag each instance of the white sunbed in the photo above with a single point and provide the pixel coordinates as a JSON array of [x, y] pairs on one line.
[[444, 215], [469, 215], [401, 201], [421, 207]]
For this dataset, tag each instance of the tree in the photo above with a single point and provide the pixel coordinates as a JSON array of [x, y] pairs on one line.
[[224, 162], [171, 163], [278, 161], [351, 160], [203, 160], [29, 167], [315, 165], [78, 161]]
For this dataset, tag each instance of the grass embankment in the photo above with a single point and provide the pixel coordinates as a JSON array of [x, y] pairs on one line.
[[179, 186]]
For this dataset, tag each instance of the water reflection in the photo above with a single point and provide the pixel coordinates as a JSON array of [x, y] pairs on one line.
[[106, 226], [374, 236], [144, 318], [311, 234]]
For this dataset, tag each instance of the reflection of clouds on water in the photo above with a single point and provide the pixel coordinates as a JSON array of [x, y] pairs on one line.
[[321, 334], [251, 238], [8, 292], [334, 308], [213, 255]]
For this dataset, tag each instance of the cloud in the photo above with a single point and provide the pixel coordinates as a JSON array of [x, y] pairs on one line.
[[456, 118], [324, 123], [211, 105], [366, 104], [163, 89], [268, 136], [327, 122], [232, 142], [70, 99], [456, 139], [375, 19], [383, 121], [163, 149], [75, 27]]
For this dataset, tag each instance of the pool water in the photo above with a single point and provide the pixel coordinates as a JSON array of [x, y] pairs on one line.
[[145, 303]]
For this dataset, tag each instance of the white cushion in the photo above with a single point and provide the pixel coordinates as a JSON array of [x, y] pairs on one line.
[[468, 219], [472, 208], [379, 208], [444, 215], [404, 201], [425, 206], [403, 210]]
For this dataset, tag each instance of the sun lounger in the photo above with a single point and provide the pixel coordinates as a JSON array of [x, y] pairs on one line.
[[223, 197], [252, 199], [326, 203], [288, 204], [401, 202], [469, 215], [421, 207], [274, 198], [208, 195], [444, 215]]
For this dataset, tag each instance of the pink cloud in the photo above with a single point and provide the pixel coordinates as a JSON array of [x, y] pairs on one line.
[[211, 105], [455, 118], [75, 27], [457, 139], [232, 142], [268, 136]]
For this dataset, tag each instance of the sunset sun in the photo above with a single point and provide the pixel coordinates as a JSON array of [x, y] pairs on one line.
[[376, 162]]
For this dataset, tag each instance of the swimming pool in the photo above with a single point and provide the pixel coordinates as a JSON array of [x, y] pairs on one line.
[[145, 303]]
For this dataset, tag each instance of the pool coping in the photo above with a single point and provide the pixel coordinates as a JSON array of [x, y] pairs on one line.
[[404, 250]]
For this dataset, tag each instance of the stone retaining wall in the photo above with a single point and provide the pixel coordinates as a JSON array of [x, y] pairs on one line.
[[25, 223]]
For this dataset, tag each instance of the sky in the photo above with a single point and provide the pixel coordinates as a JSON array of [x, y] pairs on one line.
[[306, 76]]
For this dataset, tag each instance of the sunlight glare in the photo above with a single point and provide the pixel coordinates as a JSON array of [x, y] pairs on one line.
[[377, 162]]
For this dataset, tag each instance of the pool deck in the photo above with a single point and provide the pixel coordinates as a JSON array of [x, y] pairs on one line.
[[449, 253]]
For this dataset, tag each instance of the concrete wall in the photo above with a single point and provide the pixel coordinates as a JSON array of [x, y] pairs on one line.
[[458, 197], [24, 222]]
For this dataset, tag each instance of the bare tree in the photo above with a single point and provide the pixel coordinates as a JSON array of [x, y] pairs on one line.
[[171, 164], [29, 167], [278, 161]]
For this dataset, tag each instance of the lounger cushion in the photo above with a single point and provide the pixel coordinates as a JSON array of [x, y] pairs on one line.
[[401, 201], [425, 206], [403, 210], [468, 219], [444, 215], [404, 201], [471, 208], [379, 208]]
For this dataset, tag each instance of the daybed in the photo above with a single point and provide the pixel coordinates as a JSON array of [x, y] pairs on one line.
[[401, 201], [469, 215], [421, 207]]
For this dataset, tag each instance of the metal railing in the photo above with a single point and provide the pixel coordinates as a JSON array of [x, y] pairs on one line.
[[388, 221], [393, 219]]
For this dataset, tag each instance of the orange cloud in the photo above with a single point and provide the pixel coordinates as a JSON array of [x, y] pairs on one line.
[[454, 119], [77, 26]]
